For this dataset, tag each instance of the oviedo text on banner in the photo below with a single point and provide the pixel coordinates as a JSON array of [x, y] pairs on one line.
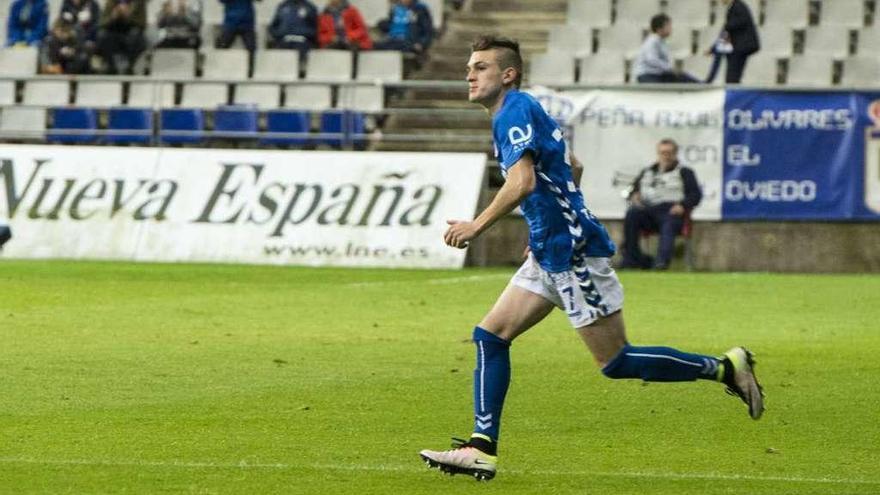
[[276, 207]]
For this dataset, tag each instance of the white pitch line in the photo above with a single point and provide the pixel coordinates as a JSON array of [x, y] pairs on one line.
[[382, 468], [433, 281]]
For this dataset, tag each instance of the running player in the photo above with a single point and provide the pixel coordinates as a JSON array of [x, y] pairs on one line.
[[568, 266]]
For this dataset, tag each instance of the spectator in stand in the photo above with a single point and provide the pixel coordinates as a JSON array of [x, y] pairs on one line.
[[294, 26], [342, 26], [84, 14], [122, 33], [238, 20], [5, 234], [737, 42], [179, 23], [65, 51], [653, 63], [662, 195], [409, 27], [28, 22]]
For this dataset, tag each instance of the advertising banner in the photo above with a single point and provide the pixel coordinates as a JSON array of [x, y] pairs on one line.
[[615, 134], [250, 206], [799, 156]]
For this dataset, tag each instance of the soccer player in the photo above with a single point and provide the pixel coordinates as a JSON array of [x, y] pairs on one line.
[[568, 266]]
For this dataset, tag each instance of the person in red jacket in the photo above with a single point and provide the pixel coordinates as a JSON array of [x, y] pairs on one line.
[[342, 26]]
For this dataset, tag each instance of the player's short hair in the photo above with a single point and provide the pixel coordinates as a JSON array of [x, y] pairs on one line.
[[658, 21], [669, 141], [508, 53]]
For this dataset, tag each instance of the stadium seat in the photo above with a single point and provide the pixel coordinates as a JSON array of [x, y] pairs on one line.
[[436, 8], [588, 14], [846, 13], [576, 41], [860, 71], [776, 40], [827, 40], [551, 68], [868, 40], [329, 65], [603, 68], [98, 94], [204, 95], [384, 65], [620, 38], [235, 122], [794, 14], [181, 126], [136, 122], [276, 65], [82, 122], [287, 121], [707, 35], [681, 41], [347, 124], [636, 12], [762, 69], [150, 95], [307, 97], [18, 61], [369, 99], [23, 123], [697, 65], [264, 96], [7, 93], [226, 64], [691, 14], [173, 63], [48, 93], [809, 71], [373, 11], [212, 13]]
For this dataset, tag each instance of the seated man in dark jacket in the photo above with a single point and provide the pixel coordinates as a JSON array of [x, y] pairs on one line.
[[409, 27], [294, 26], [662, 195]]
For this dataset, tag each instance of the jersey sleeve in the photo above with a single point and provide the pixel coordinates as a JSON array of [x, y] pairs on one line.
[[515, 133]]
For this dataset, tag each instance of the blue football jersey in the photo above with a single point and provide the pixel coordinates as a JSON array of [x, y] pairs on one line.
[[562, 231]]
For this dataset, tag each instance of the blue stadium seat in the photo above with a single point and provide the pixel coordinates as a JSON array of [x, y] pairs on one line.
[[78, 119], [236, 122], [191, 120], [287, 121], [345, 123], [138, 122]]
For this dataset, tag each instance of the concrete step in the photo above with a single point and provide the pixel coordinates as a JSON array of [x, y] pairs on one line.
[[430, 146], [490, 6], [457, 104], [514, 16], [476, 121]]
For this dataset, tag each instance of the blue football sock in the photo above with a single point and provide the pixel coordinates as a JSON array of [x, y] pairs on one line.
[[491, 379], [662, 364]]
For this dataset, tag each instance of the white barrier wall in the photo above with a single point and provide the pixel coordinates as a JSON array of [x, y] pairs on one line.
[[275, 207]]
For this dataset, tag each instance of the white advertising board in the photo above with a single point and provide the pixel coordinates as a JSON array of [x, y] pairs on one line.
[[615, 134], [249, 206]]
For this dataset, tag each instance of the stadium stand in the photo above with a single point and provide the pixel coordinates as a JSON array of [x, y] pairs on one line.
[[24, 123], [844, 13], [688, 14], [602, 68], [173, 63], [330, 65], [98, 94], [681, 41], [809, 70], [776, 40], [827, 40], [7, 92], [226, 64], [308, 96], [151, 95], [551, 68], [791, 13], [620, 38], [697, 65], [82, 122], [380, 65], [263, 96], [589, 13], [860, 71], [47, 93], [204, 95], [134, 126], [276, 65], [574, 40], [636, 12], [18, 61], [762, 70], [181, 126]]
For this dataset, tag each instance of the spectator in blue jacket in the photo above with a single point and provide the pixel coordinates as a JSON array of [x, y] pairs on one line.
[[84, 14], [409, 27], [294, 26], [28, 22], [238, 20]]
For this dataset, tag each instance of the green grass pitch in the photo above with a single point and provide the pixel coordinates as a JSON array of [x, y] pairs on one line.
[[149, 378]]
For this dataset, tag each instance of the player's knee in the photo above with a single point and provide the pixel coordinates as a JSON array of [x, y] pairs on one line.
[[482, 335]]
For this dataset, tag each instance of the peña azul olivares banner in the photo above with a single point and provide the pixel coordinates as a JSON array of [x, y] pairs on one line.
[[250, 206]]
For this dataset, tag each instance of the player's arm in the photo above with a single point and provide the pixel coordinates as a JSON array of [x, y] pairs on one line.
[[577, 168], [519, 184]]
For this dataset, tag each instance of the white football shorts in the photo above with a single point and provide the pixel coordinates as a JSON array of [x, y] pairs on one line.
[[586, 293]]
